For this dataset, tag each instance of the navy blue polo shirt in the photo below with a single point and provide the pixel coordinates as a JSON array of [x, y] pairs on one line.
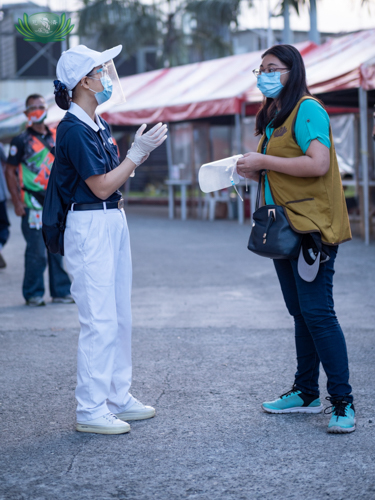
[[83, 148]]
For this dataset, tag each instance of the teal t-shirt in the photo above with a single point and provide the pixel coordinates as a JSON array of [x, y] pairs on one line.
[[312, 123]]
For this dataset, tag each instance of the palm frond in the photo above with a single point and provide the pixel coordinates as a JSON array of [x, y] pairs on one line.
[[66, 31], [296, 4], [21, 31], [62, 23], [26, 22], [24, 30], [64, 28]]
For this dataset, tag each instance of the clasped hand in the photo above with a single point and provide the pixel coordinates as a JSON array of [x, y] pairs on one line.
[[250, 164]]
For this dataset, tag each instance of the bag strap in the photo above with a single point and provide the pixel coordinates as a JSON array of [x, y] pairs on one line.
[[45, 143], [62, 224], [75, 187], [257, 203], [264, 147]]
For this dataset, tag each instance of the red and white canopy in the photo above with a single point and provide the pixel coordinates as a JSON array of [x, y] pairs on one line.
[[209, 88], [220, 86]]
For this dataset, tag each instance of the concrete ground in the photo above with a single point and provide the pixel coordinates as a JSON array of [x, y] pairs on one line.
[[212, 340]]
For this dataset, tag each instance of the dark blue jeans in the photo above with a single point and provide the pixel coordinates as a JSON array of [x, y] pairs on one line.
[[35, 264], [4, 224], [318, 335]]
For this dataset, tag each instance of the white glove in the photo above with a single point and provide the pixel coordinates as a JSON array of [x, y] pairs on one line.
[[144, 144]]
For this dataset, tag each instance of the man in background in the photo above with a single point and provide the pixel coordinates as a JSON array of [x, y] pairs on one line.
[[4, 222], [28, 168]]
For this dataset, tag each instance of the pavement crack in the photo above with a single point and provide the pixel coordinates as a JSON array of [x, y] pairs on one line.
[[165, 383], [70, 466], [160, 396]]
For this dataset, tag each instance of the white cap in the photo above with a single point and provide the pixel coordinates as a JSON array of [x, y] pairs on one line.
[[307, 270], [77, 62]]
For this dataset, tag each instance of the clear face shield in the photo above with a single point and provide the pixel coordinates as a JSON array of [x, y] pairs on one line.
[[112, 92]]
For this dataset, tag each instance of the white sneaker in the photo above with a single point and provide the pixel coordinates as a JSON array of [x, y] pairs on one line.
[[137, 411], [107, 424], [68, 299], [35, 302]]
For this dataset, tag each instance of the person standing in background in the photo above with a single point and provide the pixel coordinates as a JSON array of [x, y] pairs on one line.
[[28, 167], [4, 222]]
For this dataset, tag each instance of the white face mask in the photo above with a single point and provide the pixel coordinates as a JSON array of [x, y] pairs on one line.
[[219, 174]]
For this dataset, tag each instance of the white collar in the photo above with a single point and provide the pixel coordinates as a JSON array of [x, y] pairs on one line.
[[84, 117]]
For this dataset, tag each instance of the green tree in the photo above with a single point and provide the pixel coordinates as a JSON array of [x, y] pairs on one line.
[[114, 22], [213, 22], [182, 30]]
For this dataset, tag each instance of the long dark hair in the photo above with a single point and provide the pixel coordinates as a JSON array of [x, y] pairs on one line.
[[294, 89]]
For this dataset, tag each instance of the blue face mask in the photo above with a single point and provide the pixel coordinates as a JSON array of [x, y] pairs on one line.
[[106, 93], [269, 83]]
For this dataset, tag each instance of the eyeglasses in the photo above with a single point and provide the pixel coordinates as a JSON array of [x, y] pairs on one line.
[[257, 72], [103, 71]]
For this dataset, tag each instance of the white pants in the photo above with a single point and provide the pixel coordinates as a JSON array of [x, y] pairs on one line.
[[97, 255]]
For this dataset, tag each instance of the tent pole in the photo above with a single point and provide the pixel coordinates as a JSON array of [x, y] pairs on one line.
[[169, 150], [237, 132], [364, 159]]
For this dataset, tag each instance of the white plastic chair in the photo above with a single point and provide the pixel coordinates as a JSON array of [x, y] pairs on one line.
[[209, 204]]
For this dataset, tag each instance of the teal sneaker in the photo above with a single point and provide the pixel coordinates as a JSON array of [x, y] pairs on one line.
[[294, 401], [343, 416]]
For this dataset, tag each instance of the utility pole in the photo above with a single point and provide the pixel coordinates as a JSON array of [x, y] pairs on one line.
[[314, 35], [269, 29], [287, 34]]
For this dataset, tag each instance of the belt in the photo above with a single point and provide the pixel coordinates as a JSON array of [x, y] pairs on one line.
[[105, 205]]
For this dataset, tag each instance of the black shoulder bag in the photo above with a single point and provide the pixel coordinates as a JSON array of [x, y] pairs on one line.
[[271, 235], [54, 215]]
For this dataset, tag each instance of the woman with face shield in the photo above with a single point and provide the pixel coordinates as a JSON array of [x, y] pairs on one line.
[[297, 162], [96, 242]]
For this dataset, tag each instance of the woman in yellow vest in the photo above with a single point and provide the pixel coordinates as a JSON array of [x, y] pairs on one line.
[[297, 156]]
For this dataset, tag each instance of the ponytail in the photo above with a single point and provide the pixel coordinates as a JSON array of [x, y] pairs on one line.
[[62, 97]]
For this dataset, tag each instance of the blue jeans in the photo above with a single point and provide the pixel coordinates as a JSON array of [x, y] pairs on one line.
[[35, 264], [4, 224], [318, 335]]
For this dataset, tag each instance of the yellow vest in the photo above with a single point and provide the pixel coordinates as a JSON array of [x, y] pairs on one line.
[[311, 204]]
